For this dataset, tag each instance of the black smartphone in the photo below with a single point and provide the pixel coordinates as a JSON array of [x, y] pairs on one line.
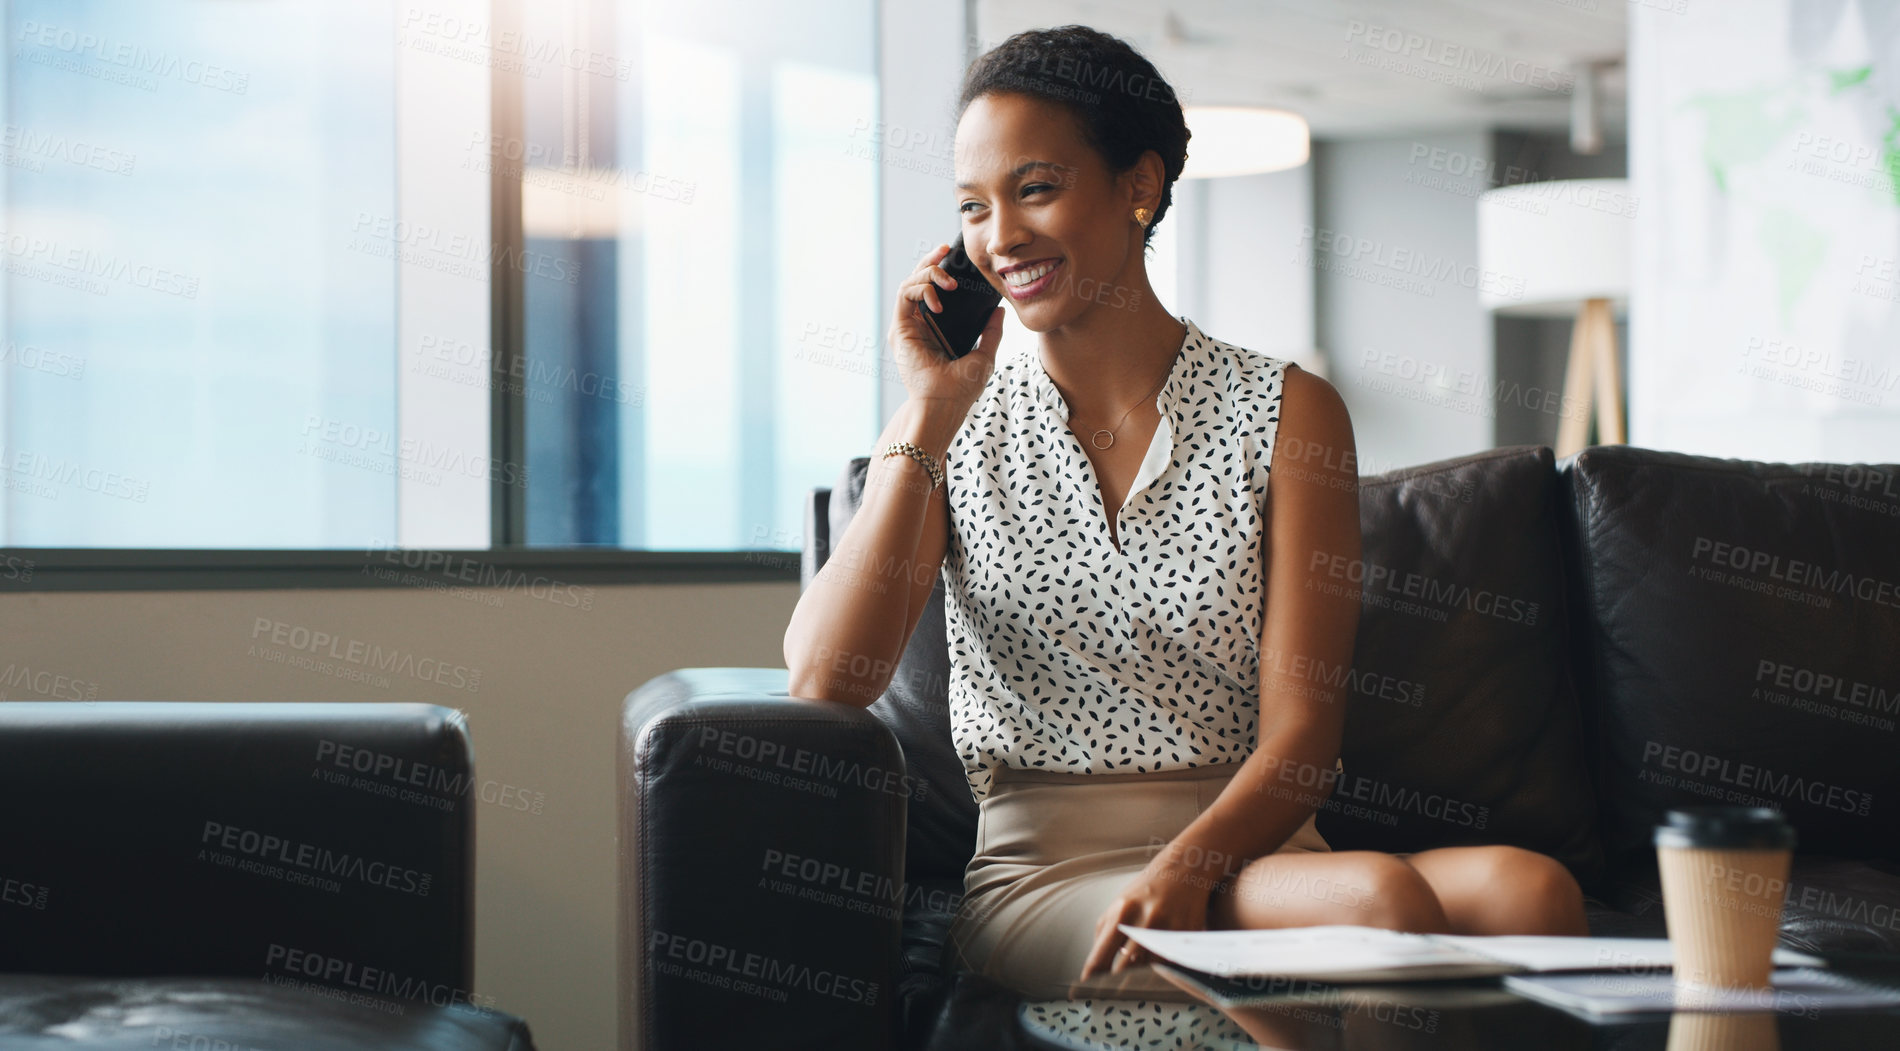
[[966, 308]]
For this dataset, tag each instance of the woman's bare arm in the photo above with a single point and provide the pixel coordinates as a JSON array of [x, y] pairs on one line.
[[855, 617], [1312, 617]]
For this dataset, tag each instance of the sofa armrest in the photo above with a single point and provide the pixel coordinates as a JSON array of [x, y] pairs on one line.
[[761, 866], [322, 844]]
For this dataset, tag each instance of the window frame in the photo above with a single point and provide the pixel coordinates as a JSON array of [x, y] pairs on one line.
[[35, 569], [218, 569]]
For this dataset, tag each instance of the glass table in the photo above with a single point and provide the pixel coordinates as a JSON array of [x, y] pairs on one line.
[[1435, 1015]]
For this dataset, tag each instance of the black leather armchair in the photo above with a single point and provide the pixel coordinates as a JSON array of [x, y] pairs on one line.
[[1549, 655], [239, 875], [761, 866]]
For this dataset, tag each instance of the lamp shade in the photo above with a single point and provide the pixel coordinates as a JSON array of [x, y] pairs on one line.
[[1243, 140], [1546, 247]]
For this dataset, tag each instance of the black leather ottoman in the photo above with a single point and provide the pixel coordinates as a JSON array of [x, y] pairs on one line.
[[235, 1014]]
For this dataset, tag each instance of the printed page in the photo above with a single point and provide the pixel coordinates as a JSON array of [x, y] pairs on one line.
[[1551, 953], [1335, 953], [1800, 990]]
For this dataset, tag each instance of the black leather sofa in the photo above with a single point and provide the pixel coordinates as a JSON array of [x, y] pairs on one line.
[[239, 876], [1549, 655]]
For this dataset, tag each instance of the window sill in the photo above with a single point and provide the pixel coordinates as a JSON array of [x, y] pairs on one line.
[[535, 569]]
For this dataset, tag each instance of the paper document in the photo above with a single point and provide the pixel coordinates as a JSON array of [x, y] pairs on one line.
[[1796, 990], [1550, 953], [1369, 954]]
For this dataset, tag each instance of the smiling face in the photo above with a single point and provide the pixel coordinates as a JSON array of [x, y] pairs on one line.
[[1043, 217]]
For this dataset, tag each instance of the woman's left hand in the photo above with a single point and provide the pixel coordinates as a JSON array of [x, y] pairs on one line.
[[1166, 895]]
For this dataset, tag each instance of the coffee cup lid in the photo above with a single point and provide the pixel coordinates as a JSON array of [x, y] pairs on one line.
[[1726, 828]]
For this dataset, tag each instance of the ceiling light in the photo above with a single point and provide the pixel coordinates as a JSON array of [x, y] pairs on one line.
[[1244, 140]]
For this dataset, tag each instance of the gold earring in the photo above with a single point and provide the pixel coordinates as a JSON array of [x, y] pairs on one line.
[[1141, 216]]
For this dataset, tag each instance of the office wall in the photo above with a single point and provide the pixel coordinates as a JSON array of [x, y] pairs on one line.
[[543, 717], [1765, 317], [1393, 251], [1233, 238]]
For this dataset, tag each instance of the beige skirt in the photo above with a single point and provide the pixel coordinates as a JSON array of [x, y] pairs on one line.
[[1053, 849]]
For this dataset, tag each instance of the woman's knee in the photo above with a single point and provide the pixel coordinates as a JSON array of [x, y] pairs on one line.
[[1359, 887], [1398, 897], [1364, 888], [1523, 892]]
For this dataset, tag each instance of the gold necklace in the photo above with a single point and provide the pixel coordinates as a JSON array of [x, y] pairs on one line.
[[1096, 438]]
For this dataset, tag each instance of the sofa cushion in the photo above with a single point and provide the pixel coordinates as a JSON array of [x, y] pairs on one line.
[[1842, 905], [1462, 726], [1742, 620]]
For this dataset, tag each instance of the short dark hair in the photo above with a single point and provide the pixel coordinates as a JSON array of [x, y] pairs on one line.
[[1120, 101]]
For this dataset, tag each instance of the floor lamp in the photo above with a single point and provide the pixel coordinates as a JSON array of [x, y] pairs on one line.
[[1561, 249]]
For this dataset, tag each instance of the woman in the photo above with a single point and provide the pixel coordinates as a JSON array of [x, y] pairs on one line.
[[1115, 567]]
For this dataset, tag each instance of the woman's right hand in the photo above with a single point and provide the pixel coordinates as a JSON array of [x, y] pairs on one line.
[[928, 373]]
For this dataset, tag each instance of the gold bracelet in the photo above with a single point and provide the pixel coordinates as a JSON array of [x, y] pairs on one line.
[[922, 457]]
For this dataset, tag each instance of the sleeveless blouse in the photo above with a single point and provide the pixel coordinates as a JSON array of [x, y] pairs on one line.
[[1066, 654]]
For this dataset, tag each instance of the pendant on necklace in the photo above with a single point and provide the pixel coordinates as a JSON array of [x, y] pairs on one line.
[[1096, 439]]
